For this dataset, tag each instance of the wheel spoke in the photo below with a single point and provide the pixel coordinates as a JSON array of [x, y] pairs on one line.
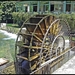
[[40, 41]]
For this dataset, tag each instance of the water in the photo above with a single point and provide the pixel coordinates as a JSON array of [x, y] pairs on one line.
[[7, 45]]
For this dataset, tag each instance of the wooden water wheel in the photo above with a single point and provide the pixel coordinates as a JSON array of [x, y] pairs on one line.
[[34, 41]]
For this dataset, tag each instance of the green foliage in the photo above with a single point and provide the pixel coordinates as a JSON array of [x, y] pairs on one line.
[[20, 17], [1, 14], [70, 18], [7, 7], [13, 28]]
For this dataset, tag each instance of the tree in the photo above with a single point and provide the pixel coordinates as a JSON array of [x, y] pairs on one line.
[[7, 7]]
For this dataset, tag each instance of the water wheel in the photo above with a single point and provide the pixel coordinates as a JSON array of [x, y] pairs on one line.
[[34, 42]]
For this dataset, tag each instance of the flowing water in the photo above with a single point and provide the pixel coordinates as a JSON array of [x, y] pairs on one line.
[[7, 45]]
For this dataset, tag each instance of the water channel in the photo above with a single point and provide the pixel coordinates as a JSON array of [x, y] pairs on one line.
[[7, 45]]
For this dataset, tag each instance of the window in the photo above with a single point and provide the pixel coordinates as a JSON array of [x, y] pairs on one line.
[[74, 7], [26, 8], [46, 7], [56, 7], [52, 7], [68, 7], [61, 7], [18, 9], [34, 7]]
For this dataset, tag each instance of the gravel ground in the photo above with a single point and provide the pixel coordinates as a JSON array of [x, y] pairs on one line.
[[8, 70]]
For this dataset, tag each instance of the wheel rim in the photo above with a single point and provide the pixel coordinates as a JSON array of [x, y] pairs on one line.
[[38, 37]]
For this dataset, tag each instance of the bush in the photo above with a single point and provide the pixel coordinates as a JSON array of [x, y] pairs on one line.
[[70, 18], [20, 17], [0, 15]]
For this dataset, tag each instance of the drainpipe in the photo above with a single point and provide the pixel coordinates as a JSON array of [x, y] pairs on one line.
[[64, 6], [38, 7], [71, 7], [41, 8], [49, 6]]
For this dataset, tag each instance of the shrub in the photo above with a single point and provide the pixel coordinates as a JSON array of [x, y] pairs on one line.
[[20, 17], [70, 18]]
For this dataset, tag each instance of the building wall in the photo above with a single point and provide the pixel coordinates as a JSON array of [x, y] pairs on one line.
[[46, 6]]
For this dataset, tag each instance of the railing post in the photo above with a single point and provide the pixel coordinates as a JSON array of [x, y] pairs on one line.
[[68, 54]]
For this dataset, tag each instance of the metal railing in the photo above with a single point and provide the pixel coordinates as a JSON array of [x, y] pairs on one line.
[[46, 68]]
